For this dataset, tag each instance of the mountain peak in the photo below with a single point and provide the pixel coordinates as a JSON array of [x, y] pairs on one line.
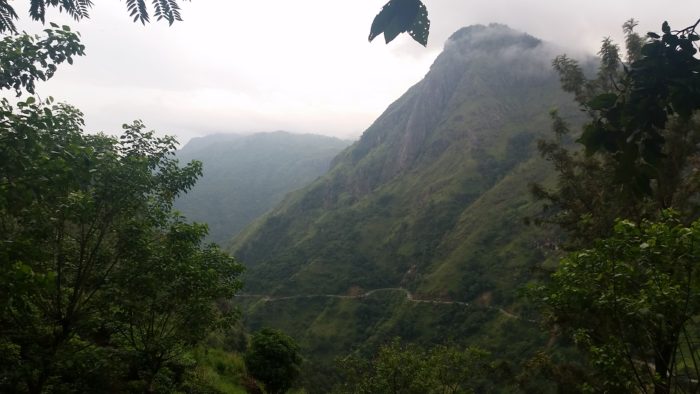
[[478, 62], [494, 36]]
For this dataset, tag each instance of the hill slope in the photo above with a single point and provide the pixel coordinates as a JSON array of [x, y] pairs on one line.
[[245, 175], [434, 170], [431, 199]]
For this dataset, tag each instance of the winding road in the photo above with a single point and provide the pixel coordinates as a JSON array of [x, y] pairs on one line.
[[409, 297]]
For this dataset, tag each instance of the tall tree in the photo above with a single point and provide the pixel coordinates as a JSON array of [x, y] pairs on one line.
[[273, 359], [100, 281], [632, 165], [103, 287], [628, 294]]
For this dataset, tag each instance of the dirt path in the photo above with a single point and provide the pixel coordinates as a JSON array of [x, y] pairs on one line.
[[409, 297]]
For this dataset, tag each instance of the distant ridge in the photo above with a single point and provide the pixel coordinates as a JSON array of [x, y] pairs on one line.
[[245, 175]]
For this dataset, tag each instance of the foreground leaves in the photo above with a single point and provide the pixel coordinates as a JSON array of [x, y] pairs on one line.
[[661, 84], [25, 59], [399, 16], [631, 301], [168, 10]]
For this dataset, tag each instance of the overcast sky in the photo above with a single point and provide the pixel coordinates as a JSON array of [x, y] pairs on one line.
[[303, 66]]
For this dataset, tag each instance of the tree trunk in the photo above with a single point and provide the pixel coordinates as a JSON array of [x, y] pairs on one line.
[[661, 367]]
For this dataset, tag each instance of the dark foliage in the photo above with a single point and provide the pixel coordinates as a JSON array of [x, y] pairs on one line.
[[167, 10], [398, 16], [273, 359], [24, 59]]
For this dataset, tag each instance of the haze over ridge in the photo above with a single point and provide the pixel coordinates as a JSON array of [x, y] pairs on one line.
[[303, 66]]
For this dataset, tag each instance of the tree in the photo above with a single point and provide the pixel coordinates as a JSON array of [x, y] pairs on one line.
[[661, 86], [273, 359], [168, 10], [629, 167], [98, 277], [630, 301], [398, 368], [627, 293], [103, 287]]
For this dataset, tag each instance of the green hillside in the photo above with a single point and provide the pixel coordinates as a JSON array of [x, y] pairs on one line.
[[245, 175], [433, 195], [431, 199]]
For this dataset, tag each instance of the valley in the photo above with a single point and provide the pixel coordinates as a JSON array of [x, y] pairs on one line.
[[516, 220], [431, 203]]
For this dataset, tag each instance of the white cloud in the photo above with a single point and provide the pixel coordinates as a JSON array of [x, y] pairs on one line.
[[306, 66]]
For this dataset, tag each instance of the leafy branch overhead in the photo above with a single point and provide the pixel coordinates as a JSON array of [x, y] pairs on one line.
[[167, 10], [396, 17], [662, 84], [399, 16], [28, 58]]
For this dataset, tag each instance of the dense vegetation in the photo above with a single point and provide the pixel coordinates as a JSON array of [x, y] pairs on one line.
[[273, 359], [407, 369], [103, 288], [415, 233], [629, 297]]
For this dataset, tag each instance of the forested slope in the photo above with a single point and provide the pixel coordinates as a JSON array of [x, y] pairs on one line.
[[245, 175]]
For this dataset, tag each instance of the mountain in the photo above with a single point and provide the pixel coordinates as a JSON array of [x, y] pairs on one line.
[[429, 205], [245, 175]]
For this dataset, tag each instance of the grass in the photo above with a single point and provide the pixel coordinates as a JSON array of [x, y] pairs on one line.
[[221, 370]]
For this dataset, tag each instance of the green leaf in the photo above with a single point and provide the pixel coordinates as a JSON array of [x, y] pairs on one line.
[[398, 16], [421, 26], [603, 101], [651, 34], [665, 28], [652, 49], [592, 138], [392, 30]]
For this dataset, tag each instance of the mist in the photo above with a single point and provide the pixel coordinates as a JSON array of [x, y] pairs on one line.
[[234, 66]]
